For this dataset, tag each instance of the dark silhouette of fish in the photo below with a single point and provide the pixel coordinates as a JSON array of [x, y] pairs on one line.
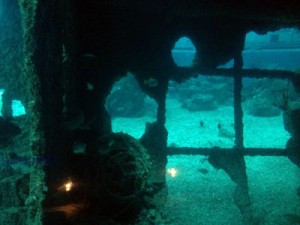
[[151, 82]]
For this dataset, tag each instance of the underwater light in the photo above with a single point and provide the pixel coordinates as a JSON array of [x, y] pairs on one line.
[[172, 172], [68, 186]]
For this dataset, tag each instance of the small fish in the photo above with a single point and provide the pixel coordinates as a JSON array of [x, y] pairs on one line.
[[203, 170], [151, 82], [201, 123], [90, 86], [88, 56], [79, 147]]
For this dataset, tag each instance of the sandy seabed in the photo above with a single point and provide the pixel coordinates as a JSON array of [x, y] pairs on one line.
[[201, 195]]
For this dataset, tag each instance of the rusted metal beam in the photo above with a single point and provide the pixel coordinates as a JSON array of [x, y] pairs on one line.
[[245, 151], [183, 73], [237, 102]]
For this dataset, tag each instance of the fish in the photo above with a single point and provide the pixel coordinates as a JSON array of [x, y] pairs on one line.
[[79, 147], [203, 170], [88, 56], [90, 86], [201, 123], [151, 82]]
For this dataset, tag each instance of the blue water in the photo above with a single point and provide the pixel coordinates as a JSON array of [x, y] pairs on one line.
[[198, 192], [260, 51]]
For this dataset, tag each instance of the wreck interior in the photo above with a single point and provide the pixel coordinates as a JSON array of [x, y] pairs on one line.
[[66, 160]]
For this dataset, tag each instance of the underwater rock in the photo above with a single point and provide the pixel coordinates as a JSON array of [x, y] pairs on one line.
[[200, 103], [219, 87], [121, 180], [107, 182], [292, 146], [291, 119], [126, 99], [226, 131], [261, 107]]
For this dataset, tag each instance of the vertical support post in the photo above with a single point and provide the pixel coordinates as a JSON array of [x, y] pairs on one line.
[[238, 111], [241, 195], [155, 140], [37, 137], [42, 33], [7, 110]]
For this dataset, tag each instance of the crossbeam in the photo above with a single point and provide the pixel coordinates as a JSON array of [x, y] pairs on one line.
[[244, 151], [183, 73]]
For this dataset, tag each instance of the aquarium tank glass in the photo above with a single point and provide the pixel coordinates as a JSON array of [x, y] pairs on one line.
[[100, 125], [200, 116]]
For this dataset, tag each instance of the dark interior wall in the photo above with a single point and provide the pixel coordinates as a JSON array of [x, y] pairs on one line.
[[113, 37], [138, 33], [15, 187], [102, 40], [43, 71]]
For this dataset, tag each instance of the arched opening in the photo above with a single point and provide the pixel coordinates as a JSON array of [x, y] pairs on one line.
[[129, 107], [201, 108], [263, 97], [184, 52], [18, 108]]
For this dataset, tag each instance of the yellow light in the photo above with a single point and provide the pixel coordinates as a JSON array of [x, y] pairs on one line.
[[172, 172], [68, 186]]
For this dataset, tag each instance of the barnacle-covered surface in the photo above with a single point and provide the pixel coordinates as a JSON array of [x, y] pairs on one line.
[[110, 182], [121, 174]]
